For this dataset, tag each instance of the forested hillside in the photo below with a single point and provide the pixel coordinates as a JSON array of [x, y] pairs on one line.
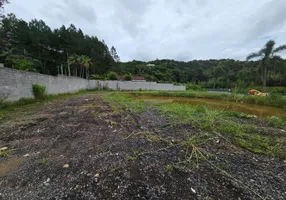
[[34, 46], [224, 73]]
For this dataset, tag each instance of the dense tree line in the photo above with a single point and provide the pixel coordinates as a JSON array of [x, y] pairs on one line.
[[34, 46], [223, 73]]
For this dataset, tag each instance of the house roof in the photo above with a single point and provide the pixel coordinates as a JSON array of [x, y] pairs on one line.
[[138, 78], [135, 78]]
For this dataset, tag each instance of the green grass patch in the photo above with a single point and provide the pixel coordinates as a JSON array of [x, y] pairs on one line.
[[246, 136], [120, 102], [5, 153], [270, 89], [169, 168], [276, 122], [213, 122]]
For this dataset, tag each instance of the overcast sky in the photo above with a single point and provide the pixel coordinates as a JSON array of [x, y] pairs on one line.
[[174, 29]]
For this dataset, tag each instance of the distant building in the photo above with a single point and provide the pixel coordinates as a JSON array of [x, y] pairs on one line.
[[134, 78], [121, 77], [138, 79], [150, 65]]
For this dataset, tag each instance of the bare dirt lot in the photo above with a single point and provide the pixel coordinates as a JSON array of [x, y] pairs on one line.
[[79, 148]]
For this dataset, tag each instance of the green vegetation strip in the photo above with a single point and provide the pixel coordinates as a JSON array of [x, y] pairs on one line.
[[273, 100], [40, 97], [216, 122]]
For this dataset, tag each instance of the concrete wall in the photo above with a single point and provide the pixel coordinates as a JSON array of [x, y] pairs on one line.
[[131, 85], [18, 84]]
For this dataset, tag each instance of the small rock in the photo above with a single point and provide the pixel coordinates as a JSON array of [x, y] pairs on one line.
[[27, 155], [86, 99], [217, 141], [46, 183], [283, 130], [193, 190], [97, 175], [66, 166], [255, 159], [114, 131], [68, 125], [3, 148]]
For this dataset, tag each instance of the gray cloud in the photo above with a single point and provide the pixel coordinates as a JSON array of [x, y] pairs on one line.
[[129, 14], [79, 9], [268, 18], [182, 29], [201, 3]]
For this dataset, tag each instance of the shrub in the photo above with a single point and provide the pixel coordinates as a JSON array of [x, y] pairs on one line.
[[127, 77], [140, 89], [22, 63], [195, 87], [3, 97], [96, 77], [112, 76], [39, 91], [276, 122]]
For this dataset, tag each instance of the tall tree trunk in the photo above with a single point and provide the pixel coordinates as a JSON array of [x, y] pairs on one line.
[[69, 70], [76, 71], [81, 71], [87, 73], [264, 78], [62, 72]]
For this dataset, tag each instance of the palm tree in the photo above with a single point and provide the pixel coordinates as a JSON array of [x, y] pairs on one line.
[[267, 56], [9, 52], [83, 61], [73, 62], [86, 63]]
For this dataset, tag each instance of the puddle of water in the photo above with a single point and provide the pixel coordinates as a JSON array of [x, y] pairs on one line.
[[9, 165], [251, 109]]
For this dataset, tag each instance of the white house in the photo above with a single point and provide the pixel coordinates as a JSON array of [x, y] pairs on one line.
[[150, 65]]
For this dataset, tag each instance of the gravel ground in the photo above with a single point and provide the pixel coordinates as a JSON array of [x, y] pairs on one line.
[[79, 148]]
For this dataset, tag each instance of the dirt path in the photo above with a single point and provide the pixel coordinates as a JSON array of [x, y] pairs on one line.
[[80, 148]]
